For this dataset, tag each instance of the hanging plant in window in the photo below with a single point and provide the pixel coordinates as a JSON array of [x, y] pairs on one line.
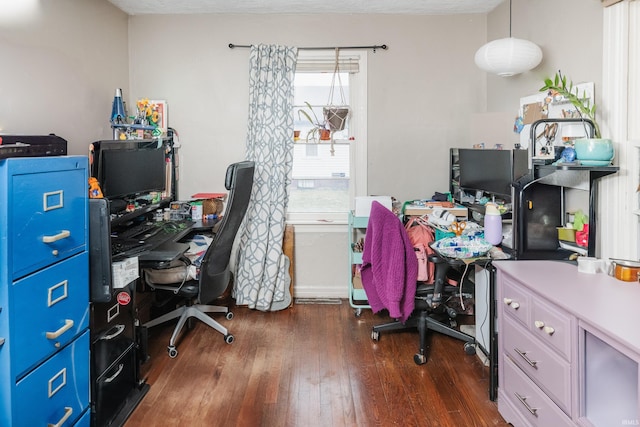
[[335, 115]]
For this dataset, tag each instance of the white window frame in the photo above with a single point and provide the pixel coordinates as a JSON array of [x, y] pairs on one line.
[[357, 147]]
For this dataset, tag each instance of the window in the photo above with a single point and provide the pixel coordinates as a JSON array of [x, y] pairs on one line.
[[327, 175]]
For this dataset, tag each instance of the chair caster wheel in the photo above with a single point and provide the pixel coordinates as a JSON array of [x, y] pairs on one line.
[[469, 348], [228, 338], [358, 312], [229, 316], [375, 335], [173, 352], [419, 359]]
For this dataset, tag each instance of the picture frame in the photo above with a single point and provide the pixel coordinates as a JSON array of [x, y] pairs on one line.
[[163, 121]]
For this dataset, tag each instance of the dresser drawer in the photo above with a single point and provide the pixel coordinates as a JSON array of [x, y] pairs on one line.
[[550, 371], [554, 327], [515, 300], [49, 309], [57, 388], [48, 217], [521, 395]]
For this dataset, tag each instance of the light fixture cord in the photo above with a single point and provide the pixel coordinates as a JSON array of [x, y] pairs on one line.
[[510, 2]]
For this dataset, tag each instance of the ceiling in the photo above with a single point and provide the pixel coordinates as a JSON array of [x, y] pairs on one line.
[[421, 7]]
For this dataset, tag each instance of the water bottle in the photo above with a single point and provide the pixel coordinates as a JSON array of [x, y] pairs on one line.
[[492, 224]]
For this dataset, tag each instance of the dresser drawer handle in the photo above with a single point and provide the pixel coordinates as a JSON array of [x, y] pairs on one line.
[[523, 354], [114, 376], [62, 235], [549, 330], [67, 413], [539, 324], [68, 324], [515, 305], [508, 301], [523, 400]]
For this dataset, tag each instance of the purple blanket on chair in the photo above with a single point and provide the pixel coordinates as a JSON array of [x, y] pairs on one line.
[[389, 264]]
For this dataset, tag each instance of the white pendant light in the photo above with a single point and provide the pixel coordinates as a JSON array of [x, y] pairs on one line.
[[509, 56]]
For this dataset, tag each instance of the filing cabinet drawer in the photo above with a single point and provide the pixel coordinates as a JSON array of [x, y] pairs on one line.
[[49, 309], [554, 327], [112, 329], [57, 389], [550, 371], [112, 386], [528, 401], [516, 301], [48, 217]]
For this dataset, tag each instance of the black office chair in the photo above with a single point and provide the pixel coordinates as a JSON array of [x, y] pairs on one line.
[[215, 275], [431, 311]]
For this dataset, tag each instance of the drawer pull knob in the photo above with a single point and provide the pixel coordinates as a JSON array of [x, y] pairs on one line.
[[62, 235], [539, 324], [67, 413], [515, 305], [549, 330], [523, 354], [68, 324], [508, 301], [523, 400]]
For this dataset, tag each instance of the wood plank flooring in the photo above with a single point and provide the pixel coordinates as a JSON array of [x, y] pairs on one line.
[[311, 365]]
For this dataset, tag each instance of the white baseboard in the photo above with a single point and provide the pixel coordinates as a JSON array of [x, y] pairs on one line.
[[320, 292]]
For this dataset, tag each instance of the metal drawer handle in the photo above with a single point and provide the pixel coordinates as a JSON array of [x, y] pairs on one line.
[[62, 235], [114, 376], [523, 354], [508, 301], [118, 329], [523, 400], [515, 305], [67, 413], [68, 324], [549, 330]]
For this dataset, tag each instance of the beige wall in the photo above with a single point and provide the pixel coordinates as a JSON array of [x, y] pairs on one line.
[[422, 90], [59, 69]]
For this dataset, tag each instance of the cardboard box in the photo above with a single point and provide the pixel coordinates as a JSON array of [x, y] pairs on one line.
[[459, 211], [124, 272], [363, 204]]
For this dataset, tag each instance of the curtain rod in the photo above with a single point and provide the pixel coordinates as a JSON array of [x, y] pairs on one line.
[[374, 47]]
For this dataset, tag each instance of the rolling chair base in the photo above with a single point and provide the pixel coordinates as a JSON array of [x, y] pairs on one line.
[[185, 313], [423, 322]]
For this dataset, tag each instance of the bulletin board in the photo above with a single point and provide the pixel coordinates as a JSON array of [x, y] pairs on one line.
[[545, 106]]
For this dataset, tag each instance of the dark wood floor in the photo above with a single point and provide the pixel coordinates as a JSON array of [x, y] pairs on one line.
[[311, 365]]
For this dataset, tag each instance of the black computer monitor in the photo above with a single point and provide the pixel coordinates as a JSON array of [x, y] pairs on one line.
[[491, 170], [125, 170]]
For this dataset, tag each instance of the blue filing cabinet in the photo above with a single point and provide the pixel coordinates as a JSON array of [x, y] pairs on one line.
[[44, 292]]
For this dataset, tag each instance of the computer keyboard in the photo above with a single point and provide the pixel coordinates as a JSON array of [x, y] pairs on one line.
[[137, 230], [124, 248]]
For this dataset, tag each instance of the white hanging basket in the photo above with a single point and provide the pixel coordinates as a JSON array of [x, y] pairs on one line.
[[336, 117]]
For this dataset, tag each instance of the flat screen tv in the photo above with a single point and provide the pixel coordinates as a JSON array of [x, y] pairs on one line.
[[491, 171], [125, 170]]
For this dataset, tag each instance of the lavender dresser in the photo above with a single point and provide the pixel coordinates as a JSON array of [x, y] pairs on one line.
[[569, 346]]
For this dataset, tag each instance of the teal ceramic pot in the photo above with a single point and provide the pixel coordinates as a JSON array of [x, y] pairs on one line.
[[593, 149]]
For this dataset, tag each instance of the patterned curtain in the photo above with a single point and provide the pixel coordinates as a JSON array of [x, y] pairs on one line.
[[262, 270]]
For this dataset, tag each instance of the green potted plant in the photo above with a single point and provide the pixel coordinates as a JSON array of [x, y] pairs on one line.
[[595, 151], [319, 128]]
